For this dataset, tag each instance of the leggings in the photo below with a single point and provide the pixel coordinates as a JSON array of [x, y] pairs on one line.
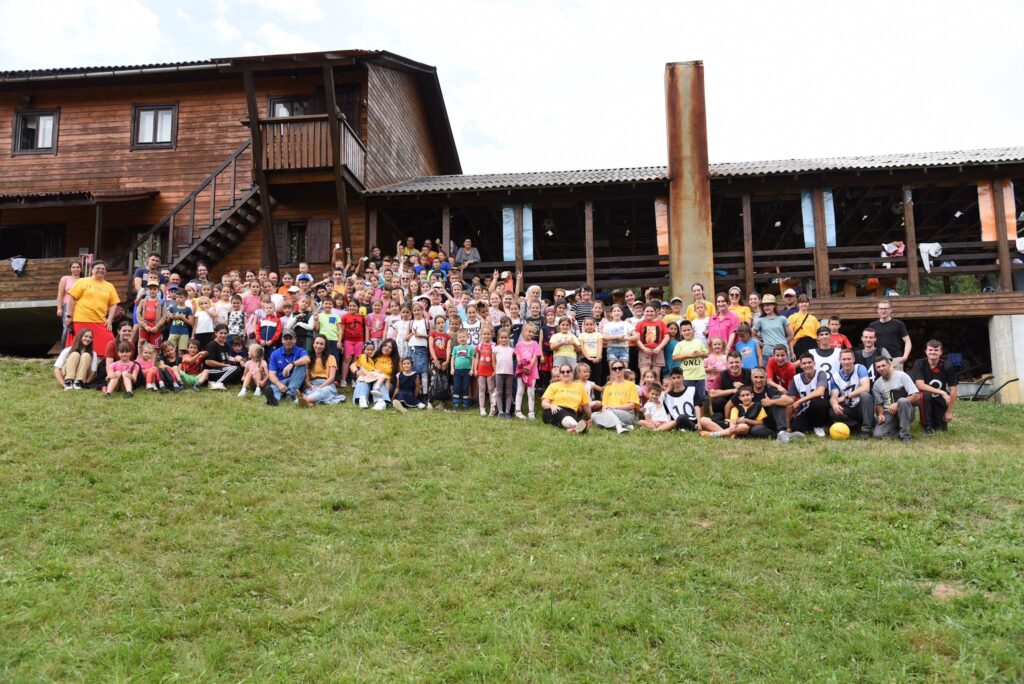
[[485, 389], [503, 383], [530, 392]]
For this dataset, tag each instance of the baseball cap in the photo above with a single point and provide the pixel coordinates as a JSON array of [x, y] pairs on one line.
[[153, 283], [677, 299], [293, 288], [437, 286], [789, 293], [823, 328], [288, 333], [304, 276]]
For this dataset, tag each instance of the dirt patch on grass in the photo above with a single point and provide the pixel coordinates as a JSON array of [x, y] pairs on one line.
[[703, 523], [947, 591]]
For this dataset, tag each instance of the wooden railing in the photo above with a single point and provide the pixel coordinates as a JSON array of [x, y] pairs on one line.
[[610, 272], [294, 143], [182, 224], [40, 279]]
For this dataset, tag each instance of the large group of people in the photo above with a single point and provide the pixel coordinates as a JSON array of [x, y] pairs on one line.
[[424, 329]]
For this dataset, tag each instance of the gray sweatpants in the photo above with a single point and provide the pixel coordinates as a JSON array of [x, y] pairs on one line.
[[613, 419], [900, 422]]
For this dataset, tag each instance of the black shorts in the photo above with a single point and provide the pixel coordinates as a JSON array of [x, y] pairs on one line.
[[684, 423], [556, 415]]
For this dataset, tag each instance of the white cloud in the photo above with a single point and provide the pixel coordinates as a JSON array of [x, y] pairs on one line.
[[79, 33], [291, 10], [226, 31], [276, 40], [183, 15]]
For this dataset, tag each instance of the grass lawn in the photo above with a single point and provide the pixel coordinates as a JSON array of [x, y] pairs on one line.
[[206, 537]]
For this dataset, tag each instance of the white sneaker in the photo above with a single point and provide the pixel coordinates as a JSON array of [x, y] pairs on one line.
[[819, 432], [257, 392], [343, 383], [421, 405], [362, 402], [483, 411], [216, 386], [379, 406], [520, 416], [376, 393], [531, 415], [244, 392]]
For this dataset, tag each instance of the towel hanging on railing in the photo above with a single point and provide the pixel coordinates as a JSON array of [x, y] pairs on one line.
[[18, 265], [929, 251]]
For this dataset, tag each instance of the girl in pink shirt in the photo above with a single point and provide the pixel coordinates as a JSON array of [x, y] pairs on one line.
[[528, 355]]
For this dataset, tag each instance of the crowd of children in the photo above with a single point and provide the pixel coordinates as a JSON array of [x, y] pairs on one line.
[[407, 336]]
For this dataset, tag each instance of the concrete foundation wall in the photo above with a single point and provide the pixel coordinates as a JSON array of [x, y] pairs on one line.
[[1006, 334]]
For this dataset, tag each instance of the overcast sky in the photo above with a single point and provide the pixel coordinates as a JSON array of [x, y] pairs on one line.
[[569, 85]]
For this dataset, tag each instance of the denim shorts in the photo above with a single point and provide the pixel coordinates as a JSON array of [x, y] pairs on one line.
[[420, 360]]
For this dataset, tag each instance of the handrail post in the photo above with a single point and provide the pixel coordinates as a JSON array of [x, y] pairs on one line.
[[213, 200]]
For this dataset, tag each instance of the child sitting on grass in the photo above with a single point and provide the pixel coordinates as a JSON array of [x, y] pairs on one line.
[[257, 373], [407, 388], [655, 415], [193, 366], [741, 420], [123, 372]]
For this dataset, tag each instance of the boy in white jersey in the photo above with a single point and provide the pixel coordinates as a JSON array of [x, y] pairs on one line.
[[851, 399]]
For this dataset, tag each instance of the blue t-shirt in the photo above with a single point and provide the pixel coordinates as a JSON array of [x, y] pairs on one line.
[[179, 327], [282, 357], [748, 350]]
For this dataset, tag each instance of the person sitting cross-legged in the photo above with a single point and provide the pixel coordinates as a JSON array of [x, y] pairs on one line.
[[287, 370]]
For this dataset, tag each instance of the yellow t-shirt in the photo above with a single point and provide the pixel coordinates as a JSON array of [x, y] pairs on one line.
[[672, 318], [384, 364], [620, 394], [734, 415], [691, 313], [589, 342], [572, 396], [320, 370], [561, 345], [92, 300], [365, 363], [808, 329], [743, 313]]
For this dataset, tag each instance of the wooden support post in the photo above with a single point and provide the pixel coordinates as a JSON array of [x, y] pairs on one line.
[[98, 237], [822, 288], [269, 241], [517, 213], [748, 246], [336, 156], [588, 239], [913, 276], [371, 237], [446, 229], [1002, 238]]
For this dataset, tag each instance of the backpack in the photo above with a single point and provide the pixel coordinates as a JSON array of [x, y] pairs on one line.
[[440, 386]]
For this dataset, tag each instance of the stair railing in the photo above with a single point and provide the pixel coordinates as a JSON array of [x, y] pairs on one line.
[[165, 227]]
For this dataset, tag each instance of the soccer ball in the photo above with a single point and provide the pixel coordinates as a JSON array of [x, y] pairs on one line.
[[839, 431]]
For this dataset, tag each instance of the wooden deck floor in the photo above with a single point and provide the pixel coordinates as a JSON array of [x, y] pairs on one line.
[[982, 305]]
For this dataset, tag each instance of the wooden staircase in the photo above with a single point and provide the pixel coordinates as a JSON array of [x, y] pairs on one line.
[[206, 225]]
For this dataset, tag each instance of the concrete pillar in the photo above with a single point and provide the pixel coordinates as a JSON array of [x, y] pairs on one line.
[[1006, 346], [689, 211]]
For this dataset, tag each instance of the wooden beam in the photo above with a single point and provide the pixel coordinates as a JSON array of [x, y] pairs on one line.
[[821, 282], [446, 228], [913, 275], [1002, 239], [588, 239], [748, 246], [269, 241], [336, 155], [371, 237], [98, 237], [517, 213]]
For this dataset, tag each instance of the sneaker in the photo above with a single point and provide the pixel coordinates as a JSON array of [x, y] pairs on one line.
[[129, 395], [582, 426], [796, 434], [257, 392], [483, 412], [362, 403], [819, 432], [783, 437], [243, 392], [343, 383], [77, 385], [421, 405], [216, 386], [532, 416], [163, 388], [905, 439], [271, 399], [68, 384], [108, 395], [195, 387], [621, 429], [379, 406], [151, 388], [376, 393], [520, 416], [929, 431], [177, 388]]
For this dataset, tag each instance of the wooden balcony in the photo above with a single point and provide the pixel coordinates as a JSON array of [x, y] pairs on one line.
[[38, 286], [299, 143]]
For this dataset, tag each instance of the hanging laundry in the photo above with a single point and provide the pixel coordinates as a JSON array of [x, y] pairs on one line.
[[929, 251]]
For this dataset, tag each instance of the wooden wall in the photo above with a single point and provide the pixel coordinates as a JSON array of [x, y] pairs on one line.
[[399, 142]]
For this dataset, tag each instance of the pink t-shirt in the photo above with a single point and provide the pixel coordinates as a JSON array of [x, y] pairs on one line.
[[121, 366], [528, 353], [258, 369], [504, 360]]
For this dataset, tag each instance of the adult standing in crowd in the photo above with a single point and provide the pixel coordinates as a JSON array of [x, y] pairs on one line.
[[892, 335], [805, 327], [566, 403], [789, 304], [895, 395], [584, 306], [736, 305], [868, 352], [64, 299], [93, 305], [619, 401], [143, 273], [724, 323], [202, 277], [698, 296]]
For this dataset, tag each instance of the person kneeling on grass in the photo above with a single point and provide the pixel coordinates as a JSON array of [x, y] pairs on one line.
[[937, 382], [565, 401], [407, 388], [287, 370], [895, 396], [743, 418]]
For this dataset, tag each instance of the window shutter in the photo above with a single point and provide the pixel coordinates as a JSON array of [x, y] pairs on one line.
[[318, 241], [281, 241]]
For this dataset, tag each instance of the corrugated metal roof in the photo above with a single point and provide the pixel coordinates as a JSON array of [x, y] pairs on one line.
[[658, 174], [43, 74]]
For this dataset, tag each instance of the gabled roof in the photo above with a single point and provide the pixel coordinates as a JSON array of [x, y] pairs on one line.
[[659, 174]]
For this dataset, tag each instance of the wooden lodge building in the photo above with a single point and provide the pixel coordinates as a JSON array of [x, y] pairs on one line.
[[236, 162]]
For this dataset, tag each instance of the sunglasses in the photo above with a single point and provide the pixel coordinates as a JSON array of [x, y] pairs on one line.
[[565, 372], [618, 368]]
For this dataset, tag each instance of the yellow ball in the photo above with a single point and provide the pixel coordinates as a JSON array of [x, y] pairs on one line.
[[839, 431]]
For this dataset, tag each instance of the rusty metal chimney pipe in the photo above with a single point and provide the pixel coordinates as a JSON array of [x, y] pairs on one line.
[[689, 205]]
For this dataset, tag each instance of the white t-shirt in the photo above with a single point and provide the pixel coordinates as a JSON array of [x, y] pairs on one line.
[[653, 410], [418, 328], [62, 358], [617, 329]]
